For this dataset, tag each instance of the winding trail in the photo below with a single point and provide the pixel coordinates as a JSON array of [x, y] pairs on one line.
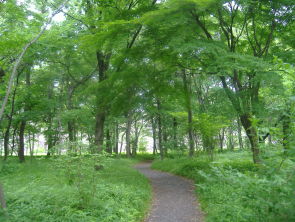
[[173, 197]]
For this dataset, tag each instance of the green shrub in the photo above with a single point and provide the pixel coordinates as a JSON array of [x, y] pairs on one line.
[[240, 165], [234, 189]]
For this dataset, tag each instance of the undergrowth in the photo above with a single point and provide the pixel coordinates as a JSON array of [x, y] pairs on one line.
[[74, 189], [233, 189]]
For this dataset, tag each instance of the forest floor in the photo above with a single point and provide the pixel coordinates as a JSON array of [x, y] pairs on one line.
[[70, 189], [173, 197]]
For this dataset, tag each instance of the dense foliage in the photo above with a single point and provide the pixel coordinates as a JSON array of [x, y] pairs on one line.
[[93, 188]]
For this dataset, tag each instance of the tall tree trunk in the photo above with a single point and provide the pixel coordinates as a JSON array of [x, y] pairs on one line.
[[175, 142], [134, 142], [128, 134], [136, 138], [21, 149], [165, 138], [49, 136], [221, 139], [160, 129], [154, 131], [108, 142], [122, 141], [187, 92], [6, 140], [99, 131], [252, 135], [71, 131], [13, 140], [230, 139], [102, 65], [10, 117], [240, 134], [116, 148]]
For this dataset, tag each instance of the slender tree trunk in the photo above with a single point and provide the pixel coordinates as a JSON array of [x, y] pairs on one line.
[[187, 91], [99, 131], [49, 136], [252, 135], [6, 141], [221, 139], [230, 139], [116, 148], [13, 140], [108, 142], [175, 142], [240, 134], [134, 145], [10, 117], [154, 131], [21, 149], [103, 65], [122, 141], [33, 144], [128, 133], [165, 138], [136, 139], [71, 131], [160, 129]]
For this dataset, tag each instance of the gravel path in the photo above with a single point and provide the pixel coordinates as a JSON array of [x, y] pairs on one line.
[[173, 197]]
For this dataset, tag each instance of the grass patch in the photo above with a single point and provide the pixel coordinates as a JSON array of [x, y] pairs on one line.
[[92, 188]]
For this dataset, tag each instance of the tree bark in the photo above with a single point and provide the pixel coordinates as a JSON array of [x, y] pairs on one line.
[[116, 148], [154, 133], [27, 107], [121, 144], [21, 149], [221, 139], [128, 133], [49, 135], [108, 142], [175, 142], [240, 134], [252, 135], [102, 65], [71, 131], [187, 92], [10, 117], [230, 139], [160, 129], [99, 131]]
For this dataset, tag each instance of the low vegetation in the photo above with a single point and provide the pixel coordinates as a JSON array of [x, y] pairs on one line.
[[232, 188], [91, 188]]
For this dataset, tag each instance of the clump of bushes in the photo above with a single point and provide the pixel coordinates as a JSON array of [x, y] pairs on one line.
[[238, 190]]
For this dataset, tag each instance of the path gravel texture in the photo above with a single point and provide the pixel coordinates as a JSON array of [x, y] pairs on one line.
[[174, 198]]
